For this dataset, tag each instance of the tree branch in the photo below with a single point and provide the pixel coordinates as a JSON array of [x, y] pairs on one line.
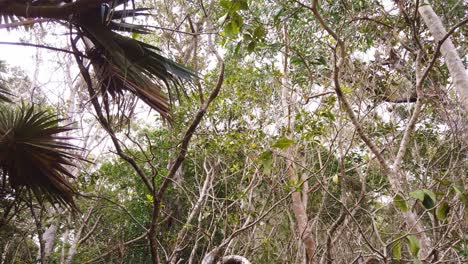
[[43, 47], [23, 23]]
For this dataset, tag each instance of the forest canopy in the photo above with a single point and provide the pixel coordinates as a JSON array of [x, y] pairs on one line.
[[233, 131]]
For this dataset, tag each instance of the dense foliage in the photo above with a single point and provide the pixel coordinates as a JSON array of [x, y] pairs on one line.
[[298, 132]]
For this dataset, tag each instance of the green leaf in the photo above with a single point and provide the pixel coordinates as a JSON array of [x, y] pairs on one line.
[[443, 182], [231, 29], [417, 261], [225, 4], [244, 4], [149, 197], [401, 203], [419, 195], [396, 250], [251, 46], [33, 154], [427, 197], [320, 61], [237, 5], [283, 143], [346, 89], [235, 17], [135, 35], [413, 244], [267, 155], [461, 194], [267, 159], [259, 32], [4, 95], [457, 190], [237, 49], [430, 194], [442, 211], [336, 179]]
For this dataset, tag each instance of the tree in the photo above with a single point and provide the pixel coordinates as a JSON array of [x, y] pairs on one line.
[[337, 137], [120, 63]]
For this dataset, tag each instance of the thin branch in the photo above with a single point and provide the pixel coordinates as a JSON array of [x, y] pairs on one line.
[[105, 124], [196, 208], [419, 82], [116, 247], [187, 137], [23, 23], [322, 22], [450, 32], [174, 167], [43, 47], [215, 252], [116, 204], [315, 96], [372, 20], [182, 32]]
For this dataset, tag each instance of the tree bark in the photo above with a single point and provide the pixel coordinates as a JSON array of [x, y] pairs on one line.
[[398, 182], [448, 51], [298, 199], [49, 237]]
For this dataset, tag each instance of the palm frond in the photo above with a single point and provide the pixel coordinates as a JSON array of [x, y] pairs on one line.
[[120, 14], [127, 27], [122, 63], [34, 156], [4, 93]]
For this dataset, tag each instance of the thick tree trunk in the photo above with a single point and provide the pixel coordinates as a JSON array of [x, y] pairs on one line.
[[449, 52]]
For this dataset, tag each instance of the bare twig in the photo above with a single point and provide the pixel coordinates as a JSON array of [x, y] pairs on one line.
[[43, 47]]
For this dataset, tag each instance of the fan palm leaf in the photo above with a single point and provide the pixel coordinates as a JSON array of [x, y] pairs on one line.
[[125, 64], [33, 155]]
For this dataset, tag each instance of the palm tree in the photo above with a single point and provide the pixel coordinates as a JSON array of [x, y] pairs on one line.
[[32, 155], [120, 63]]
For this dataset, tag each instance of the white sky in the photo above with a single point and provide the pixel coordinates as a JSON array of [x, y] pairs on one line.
[[15, 55]]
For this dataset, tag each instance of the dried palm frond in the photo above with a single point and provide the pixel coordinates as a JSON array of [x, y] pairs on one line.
[[125, 64], [33, 155], [4, 93], [120, 62]]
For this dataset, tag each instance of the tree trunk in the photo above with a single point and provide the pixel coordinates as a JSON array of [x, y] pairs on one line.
[[448, 50], [49, 237], [298, 199]]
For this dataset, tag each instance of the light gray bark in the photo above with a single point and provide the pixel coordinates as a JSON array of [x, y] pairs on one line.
[[449, 52], [49, 237]]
